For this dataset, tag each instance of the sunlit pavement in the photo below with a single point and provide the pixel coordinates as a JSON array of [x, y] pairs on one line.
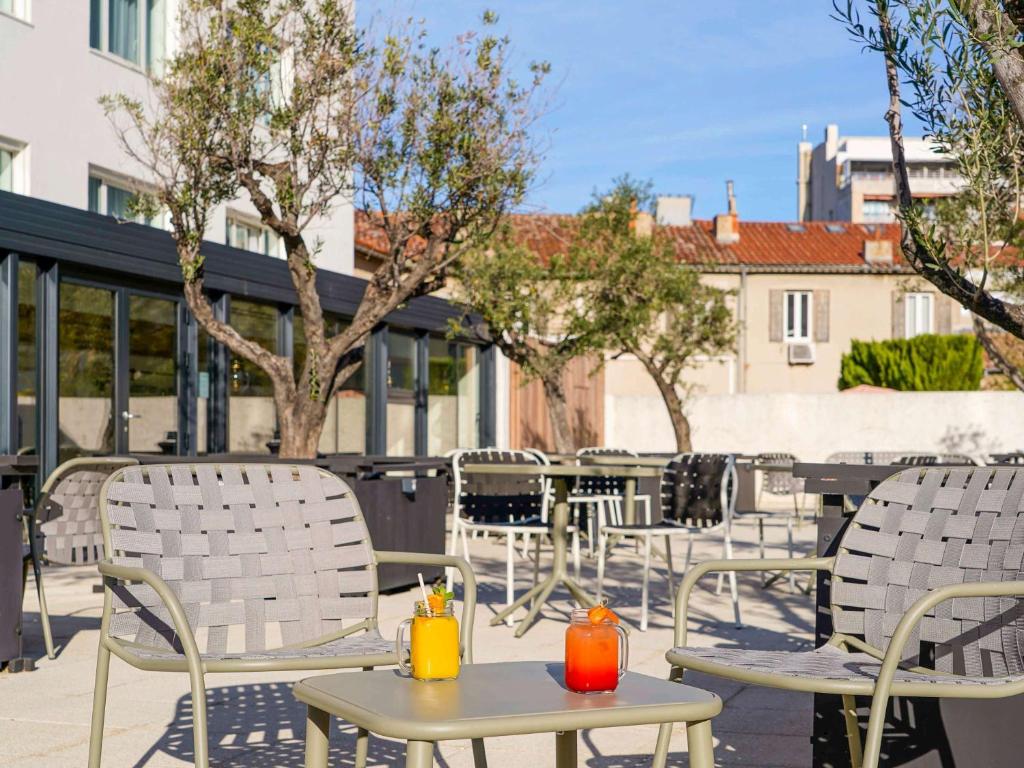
[[255, 722]]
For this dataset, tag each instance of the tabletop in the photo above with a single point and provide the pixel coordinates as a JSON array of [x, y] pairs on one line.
[[626, 461], [502, 699], [561, 470]]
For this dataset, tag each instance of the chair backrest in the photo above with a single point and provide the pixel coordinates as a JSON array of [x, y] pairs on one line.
[[932, 459], [925, 528], [260, 555], [68, 510], [865, 457], [779, 482], [600, 486], [486, 498], [699, 489]]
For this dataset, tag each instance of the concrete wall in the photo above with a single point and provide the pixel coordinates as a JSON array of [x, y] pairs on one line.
[[812, 426], [51, 79]]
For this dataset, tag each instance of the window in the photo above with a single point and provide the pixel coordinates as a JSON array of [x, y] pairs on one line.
[[919, 314], [113, 200], [13, 176], [877, 212], [253, 237], [134, 30], [797, 316], [17, 8], [401, 408], [251, 415]]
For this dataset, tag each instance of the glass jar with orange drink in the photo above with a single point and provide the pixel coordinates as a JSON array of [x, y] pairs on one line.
[[433, 639], [596, 651]]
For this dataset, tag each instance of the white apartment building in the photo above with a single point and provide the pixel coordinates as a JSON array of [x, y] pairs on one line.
[[849, 178], [57, 58]]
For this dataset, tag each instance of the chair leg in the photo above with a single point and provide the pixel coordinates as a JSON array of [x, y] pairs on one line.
[[200, 739], [479, 754], [510, 574], [760, 547], [876, 724], [732, 582], [700, 744], [362, 747], [789, 550], [671, 571], [689, 555], [645, 590], [44, 614], [576, 553], [852, 731], [602, 546], [590, 530], [453, 549], [99, 706]]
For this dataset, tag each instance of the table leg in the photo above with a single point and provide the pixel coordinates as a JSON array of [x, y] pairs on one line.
[[318, 729], [629, 500], [661, 749], [420, 754], [479, 754], [546, 589], [700, 744], [519, 603], [565, 749], [362, 747]]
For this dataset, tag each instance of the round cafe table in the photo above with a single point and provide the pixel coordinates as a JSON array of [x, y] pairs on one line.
[[560, 476]]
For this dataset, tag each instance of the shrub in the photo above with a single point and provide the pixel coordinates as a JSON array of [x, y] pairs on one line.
[[923, 363]]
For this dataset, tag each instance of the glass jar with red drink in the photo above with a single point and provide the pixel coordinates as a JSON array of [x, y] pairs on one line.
[[596, 651]]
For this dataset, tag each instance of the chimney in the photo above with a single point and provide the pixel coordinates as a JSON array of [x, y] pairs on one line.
[[831, 140], [727, 225], [878, 251], [674, 210]]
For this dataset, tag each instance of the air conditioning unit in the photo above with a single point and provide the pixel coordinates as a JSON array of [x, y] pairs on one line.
[[801, 354]]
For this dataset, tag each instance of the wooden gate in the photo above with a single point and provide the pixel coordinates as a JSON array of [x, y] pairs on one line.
[[529, 425]]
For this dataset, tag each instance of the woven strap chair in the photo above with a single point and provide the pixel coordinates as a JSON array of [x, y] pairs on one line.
[[925, 602], [239, 568], [698, 496], [63, 527], [590, 493], [936, 459], [508, 505], [778, 483]]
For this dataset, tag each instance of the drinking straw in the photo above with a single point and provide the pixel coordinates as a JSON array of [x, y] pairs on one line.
[[423, 588]]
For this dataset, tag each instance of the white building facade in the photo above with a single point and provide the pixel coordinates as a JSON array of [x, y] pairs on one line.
[[57, 58], [849, 178]]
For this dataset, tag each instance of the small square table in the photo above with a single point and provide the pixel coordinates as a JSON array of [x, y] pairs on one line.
[[503, 699]]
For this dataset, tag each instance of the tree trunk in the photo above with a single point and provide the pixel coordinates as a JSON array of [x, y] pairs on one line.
[[300, 421], [674, 404], [1008, 369], [558, 412]]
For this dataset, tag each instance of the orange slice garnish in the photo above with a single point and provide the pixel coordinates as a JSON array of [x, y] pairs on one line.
[[602, 613]]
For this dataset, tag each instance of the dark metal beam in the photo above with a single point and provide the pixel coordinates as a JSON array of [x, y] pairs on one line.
[[422, 385], [377, 391], [220, 374], [9, 353], [47, 372], [122, 374], [488, 430]]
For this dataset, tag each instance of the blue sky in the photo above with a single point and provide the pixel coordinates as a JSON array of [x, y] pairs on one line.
[[685, 94]]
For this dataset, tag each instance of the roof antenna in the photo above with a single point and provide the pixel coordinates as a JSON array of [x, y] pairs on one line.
[[803, 132]]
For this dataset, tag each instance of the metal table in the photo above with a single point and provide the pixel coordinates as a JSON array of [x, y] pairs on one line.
[[505, 699], [560, 477]]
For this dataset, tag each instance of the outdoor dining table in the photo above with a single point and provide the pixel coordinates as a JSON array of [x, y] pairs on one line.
[[502, 699], [560, 476]]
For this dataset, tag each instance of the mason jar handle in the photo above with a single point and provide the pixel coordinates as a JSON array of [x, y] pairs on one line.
[[624, 650], [400, 647]]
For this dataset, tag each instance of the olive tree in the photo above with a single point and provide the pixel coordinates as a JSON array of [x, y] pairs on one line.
[[535, 308], [958, 66], [649, 304], [288, 104]]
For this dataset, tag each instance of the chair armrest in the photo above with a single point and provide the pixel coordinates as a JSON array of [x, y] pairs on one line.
[[744, 564], [914, 614], [468, 583], [169, 599]]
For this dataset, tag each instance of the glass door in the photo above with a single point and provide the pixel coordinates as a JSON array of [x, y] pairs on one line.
[[150, 421], [85, 385]]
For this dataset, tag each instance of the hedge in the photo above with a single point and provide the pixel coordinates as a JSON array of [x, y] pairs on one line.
[[923, 363]]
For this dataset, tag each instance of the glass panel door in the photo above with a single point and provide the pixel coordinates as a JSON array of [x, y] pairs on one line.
[[401, 408], [86, 371], [151, 420]]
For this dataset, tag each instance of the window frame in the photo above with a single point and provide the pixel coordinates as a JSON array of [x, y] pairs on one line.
[[19, 165], [147, 60], [272, 245], [122, 184], [20, 10], [911, 313], [796, 338]]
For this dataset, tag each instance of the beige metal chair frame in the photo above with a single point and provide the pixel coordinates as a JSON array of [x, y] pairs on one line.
[[52, 512], [889, 673], [191, 660]]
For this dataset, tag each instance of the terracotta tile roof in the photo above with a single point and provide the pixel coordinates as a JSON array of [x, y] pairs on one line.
[[765, 244], [782, 244]]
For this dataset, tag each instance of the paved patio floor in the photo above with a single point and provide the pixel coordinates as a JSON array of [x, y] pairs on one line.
[[255, 722]]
